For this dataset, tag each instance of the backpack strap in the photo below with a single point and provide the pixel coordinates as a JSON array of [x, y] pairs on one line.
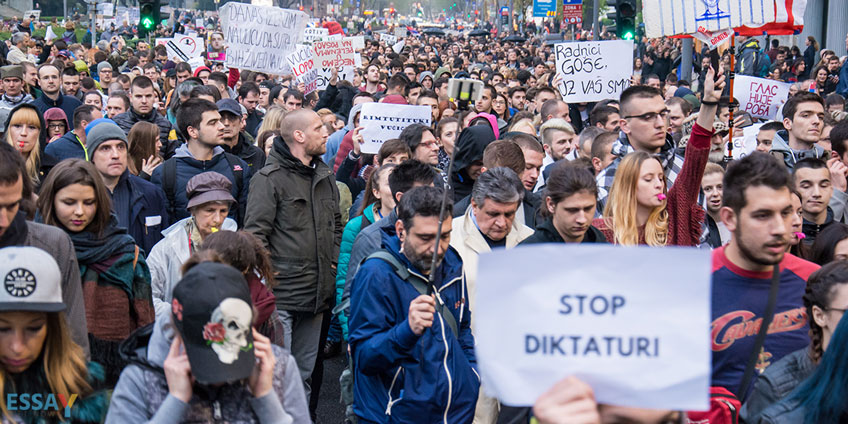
[[169, 186], [421, 286], [761, 335], [238, 173]]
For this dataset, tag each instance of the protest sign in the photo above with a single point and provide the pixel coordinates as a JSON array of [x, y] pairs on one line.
[[604, 324], [259, 38], [345, 73], [199, 23], [105, 9], [398, 47], [182, 47], [127, 14], [357, 41], [334, 37], [594, 70], [670, 17], [302, 63], [34, 14], [713, 39], [400, 32], [759, 96], [333, 53], [389, 39], [384, 121], [311, 35]]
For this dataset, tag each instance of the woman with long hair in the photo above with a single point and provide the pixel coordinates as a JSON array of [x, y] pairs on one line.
[[820, 398], [27, 133], [641, 209], [115, 277], [500, 107], [38, 354], [811, 51], [273, 120], [820, 76], [145, 146], [243, 251], [799, 69], [830, 245], [795, 246]]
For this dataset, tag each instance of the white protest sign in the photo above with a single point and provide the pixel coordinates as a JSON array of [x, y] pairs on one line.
[[334, 37], [357, 41], [32, 13], [384, 121], [593, 70], [333, 53], [195, 63], [713, 39], [388, 39], [302, 63], [400, 32], [199, 23], [324, 74], [759, 96], [604, 324], [259, 38], [106, 9], [183, 47], [747, 143], [311, 35], [670, 17], [398, 47]]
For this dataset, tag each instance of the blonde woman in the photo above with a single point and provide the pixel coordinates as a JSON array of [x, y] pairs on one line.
[[273, 120], [641, 209], [26, 132]]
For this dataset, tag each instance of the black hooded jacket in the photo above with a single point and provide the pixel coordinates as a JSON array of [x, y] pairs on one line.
[[469, 149], [46, 162]]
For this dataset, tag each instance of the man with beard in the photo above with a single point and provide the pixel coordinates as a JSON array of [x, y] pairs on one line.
[[394, 318], [293, 209], [757, 210]]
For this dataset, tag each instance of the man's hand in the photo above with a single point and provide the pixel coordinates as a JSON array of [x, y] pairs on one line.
[[357, 141], [178, 371], [334, 76], [262, 378], [421, 312], [713, 89], [569, 401], [838, 172]]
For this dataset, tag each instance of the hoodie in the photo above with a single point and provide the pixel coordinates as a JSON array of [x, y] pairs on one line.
[[780, 145], [346, 145], [47, 162], [56, 114], [142, 392], [470, 145]]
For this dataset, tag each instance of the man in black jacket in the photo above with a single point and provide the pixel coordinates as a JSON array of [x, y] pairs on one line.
[[142, 99], [236, 141]]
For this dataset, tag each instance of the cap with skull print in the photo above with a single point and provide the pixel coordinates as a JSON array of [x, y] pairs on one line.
[[213, 313]]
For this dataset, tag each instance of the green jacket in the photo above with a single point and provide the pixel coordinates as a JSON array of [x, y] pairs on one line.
[[294, 210], [351, 230]]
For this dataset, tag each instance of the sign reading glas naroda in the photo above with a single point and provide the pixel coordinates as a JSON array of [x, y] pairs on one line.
[[633, 323]]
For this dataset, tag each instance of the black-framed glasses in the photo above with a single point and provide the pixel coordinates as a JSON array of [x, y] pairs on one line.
[[837, 310], [650, 116]]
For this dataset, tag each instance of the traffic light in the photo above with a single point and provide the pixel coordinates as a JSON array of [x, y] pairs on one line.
[[148, 16], [625, 19]]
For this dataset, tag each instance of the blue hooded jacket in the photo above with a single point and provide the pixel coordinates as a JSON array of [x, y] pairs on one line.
[[401, 377]]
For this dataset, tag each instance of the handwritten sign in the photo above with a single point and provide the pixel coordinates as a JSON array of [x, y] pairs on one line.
[[34, 14], [302, 63], [333, 53], [324, 74], [259, 38], [357, 41], [388, 39], [311, 35], [593, 70], [713, 39], [605, 325], [384, 121], [400, 32], [670, 17], [759, 96]]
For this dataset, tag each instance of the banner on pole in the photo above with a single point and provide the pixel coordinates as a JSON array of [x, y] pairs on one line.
[[593, 70], [632, 347], [259, 38]]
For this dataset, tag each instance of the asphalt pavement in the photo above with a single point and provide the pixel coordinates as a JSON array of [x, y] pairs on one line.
[[330, 409]]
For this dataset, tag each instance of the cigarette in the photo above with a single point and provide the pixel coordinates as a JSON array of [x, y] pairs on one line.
[[661, 196]]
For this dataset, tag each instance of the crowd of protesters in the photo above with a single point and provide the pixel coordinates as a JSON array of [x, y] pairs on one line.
[[189, 244]]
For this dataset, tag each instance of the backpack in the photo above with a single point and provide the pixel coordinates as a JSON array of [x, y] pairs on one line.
[[169, 180], [423, 287]]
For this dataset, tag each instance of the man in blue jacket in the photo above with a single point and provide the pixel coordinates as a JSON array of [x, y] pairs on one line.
[[842, 86], [138, 204], [199, 121], [51, 94], [413, 352]]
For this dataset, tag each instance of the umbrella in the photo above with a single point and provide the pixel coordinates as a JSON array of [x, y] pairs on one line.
[[515, 38], [478, 33], [434, 31]]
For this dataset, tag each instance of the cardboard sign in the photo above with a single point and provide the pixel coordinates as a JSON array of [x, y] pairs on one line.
[[106, 9], [759, 96], [302, 63], [604, 324], [334, 53], [384, 121], [311, 35], [389, 39], [259, 38], [594, 70]]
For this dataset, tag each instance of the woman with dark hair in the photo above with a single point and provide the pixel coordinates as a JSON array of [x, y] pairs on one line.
[[115, 277], [243, 251], [800, 70], [820, 75], [145, 146], [38, 353], [826, 293], [500, 107], [821, 397], [830, 245], [811, 51], [795, 246]]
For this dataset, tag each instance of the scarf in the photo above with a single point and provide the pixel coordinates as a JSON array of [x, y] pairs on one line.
[[14, 100], [263, 300], [16, 234], [621, 147], [91, 249], [194, 237]]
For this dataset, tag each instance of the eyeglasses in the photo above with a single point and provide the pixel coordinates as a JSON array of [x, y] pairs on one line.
[[837, 310], [650, 116], [59, 126]]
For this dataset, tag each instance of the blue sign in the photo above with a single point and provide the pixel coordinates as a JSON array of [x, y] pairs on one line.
[[544, 8]]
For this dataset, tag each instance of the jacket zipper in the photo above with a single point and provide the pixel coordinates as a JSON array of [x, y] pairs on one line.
[[445, 361], [392, 386]]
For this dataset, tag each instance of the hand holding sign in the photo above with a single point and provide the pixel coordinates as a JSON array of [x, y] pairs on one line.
[[421, 311], [357, 141], [570, 401]]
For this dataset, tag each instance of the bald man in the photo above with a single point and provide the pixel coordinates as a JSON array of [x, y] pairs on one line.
[[293, 208]]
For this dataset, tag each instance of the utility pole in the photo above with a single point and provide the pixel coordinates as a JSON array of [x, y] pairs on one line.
[[596, 21], [686, 60]]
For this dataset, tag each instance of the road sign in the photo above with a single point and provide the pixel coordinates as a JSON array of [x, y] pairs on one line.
[[572, 11], [544, 8]]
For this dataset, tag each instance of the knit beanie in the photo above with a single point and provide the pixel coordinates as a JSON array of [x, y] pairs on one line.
[[101, 133]]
